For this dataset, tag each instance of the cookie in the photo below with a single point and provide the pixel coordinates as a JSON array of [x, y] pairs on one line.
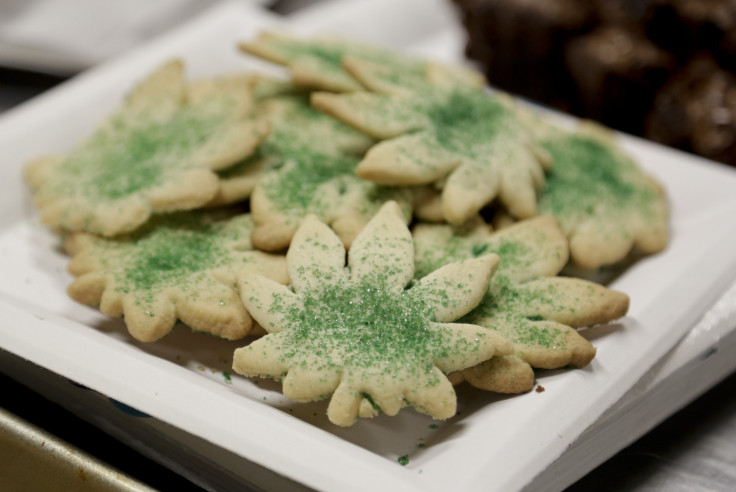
[[606, 204], [313, 63], [526, 302], [177, 267], [356, 334], [407, 75], [470, 143], [236, 183], [428, 204], [310, 169], [287, 109], [507, 374], [157, 153], [341, 65]]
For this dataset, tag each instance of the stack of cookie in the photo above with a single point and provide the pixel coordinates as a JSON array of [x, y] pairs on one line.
[[384, 227]]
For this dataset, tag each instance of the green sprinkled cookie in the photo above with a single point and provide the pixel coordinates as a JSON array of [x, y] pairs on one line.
[[469, 142], [526, 302], [356, 334], [238, 181], [407, 75], [288, 111], [342, 65], [309, 168], [177, 267], [157, 153], [606, 204]]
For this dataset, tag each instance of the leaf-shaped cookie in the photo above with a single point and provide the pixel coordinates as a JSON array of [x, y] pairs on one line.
[[156, 153], [405, 75], [310, 169], [286, 109], [471, 142], [526, 303], [179, 266], [356, 334], [342, 65], [606, 204]]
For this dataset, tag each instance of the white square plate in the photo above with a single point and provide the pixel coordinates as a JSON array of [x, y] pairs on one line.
[[495, 443]]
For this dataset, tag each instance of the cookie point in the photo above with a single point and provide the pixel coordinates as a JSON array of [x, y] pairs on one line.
[[391, 206], [489, 261], [320, 100]]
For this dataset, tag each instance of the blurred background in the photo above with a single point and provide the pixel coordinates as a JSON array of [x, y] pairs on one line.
[[661, 69]]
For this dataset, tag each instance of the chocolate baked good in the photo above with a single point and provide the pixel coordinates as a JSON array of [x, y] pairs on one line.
[[632, 65], [631, 14], [530, 65], [622, 64], [686, 27], [695, 110]]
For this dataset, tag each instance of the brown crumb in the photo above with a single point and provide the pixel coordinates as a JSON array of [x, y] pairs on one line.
[[539, 388]]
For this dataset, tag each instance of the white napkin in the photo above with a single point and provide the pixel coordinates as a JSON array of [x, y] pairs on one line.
[[67, 36]]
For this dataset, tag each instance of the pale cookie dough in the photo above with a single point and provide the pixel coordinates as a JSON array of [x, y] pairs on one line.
[[606, 204], [285, 108], [157, 153], [310, 162], [526, 303], [405, 76], [342, 65], [470, 143], [356, 334], [177, 267]]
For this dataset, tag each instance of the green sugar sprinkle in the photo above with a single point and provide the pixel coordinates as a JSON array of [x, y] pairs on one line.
[[505, 295], [170, 255], [541, 336], [588, 176], [515, 252], [127, 158], [294, 186], [327, 53], [508, 307], [299, 125], [431, 260], [478, 250], [403, 460], [466, 121], [330, 54], [364, 326], [296, 131], [504, 308], [514, 255], [304, 152], [174, 249]]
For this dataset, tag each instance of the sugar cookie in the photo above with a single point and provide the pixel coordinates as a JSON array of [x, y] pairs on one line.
[[310, 169], [606, 204], [468, 141], [176, 267], [157, 153], [355, 334], [526, 303]]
